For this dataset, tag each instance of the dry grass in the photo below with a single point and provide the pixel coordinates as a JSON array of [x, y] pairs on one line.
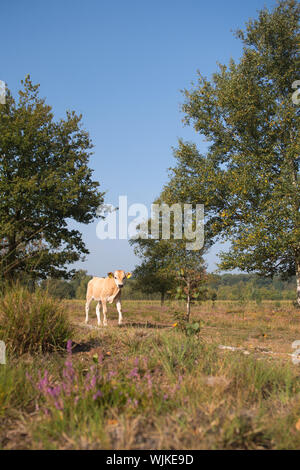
[[32, 322], [180, 392]]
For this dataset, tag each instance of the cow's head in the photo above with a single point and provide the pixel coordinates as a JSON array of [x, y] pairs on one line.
[[119, 277]]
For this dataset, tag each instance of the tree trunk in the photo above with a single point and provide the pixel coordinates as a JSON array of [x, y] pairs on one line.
[[298, 280], [162, 298], [188, 307]]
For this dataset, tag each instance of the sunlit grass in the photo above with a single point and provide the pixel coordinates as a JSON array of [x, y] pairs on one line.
[[140, 387]]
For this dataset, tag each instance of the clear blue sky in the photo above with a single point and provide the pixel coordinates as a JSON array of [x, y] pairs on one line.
[[122, 65]]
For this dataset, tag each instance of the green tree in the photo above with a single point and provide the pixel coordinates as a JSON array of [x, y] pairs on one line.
[[190, 283], [150, 279], [248, 179], [79, 283], [168, 267], [58, 288], [45, 182], [153, 274]]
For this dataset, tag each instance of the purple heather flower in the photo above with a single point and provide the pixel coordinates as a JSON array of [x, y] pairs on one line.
[[100, 358], [149, 380], [97, 394], [94, 381], [43, 382], [111, 374], [134, 373], [69, 346], [59, 405], [28, 376]]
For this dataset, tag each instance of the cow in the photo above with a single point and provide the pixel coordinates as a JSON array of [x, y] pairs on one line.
[[105, 290]]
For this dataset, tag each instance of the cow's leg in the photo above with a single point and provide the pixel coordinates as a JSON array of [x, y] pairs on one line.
[[119, 307], [98, 313], [87, 307], [104, 309]]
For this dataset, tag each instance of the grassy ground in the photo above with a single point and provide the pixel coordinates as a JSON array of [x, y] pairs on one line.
[[146, 385]]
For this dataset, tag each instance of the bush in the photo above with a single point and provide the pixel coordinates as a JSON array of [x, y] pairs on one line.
[[182, 324], [32, 322]]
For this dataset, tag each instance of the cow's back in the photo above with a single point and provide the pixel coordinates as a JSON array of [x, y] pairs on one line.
[[95, 287], [100, 288]]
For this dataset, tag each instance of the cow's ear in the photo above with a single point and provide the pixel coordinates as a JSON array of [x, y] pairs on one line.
[[110, 274], [128, 275]]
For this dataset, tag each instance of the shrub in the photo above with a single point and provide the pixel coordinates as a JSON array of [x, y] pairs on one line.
[[182, 324], [32, 322]]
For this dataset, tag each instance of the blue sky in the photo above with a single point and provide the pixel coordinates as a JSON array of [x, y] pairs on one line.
[[122, 65]]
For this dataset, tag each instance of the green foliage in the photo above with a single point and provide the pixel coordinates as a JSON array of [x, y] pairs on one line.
[[45, 181], [136, 289], [249, 178], [32, 322], [62, 289], [213, 287], [58, 288], [164, 259], [251, 287], [79, 283], [182, 324], [151, 277], [169, 268], [192, 328]]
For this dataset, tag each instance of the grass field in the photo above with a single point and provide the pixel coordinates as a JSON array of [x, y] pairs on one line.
[[146, 385]]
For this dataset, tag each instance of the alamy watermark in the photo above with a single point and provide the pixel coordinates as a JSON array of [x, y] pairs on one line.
[[2, 352], [178, 221], [2, 92]]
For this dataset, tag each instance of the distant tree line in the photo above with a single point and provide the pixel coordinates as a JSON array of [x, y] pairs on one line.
[[251, 287], [74, 288], [217, 287]]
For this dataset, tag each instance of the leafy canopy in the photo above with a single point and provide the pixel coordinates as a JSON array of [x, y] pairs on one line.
[[249, 178], [45, 182]]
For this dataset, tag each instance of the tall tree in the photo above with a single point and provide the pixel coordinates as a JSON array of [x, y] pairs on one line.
[[249, 177], [45, 181]]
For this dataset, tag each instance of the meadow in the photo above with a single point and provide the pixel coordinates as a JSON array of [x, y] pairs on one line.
[[149, 385]]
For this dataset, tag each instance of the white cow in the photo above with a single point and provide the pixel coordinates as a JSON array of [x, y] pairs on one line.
[[105, 290]]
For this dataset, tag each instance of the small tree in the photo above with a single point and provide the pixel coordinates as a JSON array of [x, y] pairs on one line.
[[153, 274], [165, 258], [190, 281], [169, 267], [151, 279]]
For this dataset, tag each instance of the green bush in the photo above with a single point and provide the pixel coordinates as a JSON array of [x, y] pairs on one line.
[[32, 322], [182, 324]]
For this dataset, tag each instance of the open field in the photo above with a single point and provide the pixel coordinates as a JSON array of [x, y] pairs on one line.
[[146, 385]]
